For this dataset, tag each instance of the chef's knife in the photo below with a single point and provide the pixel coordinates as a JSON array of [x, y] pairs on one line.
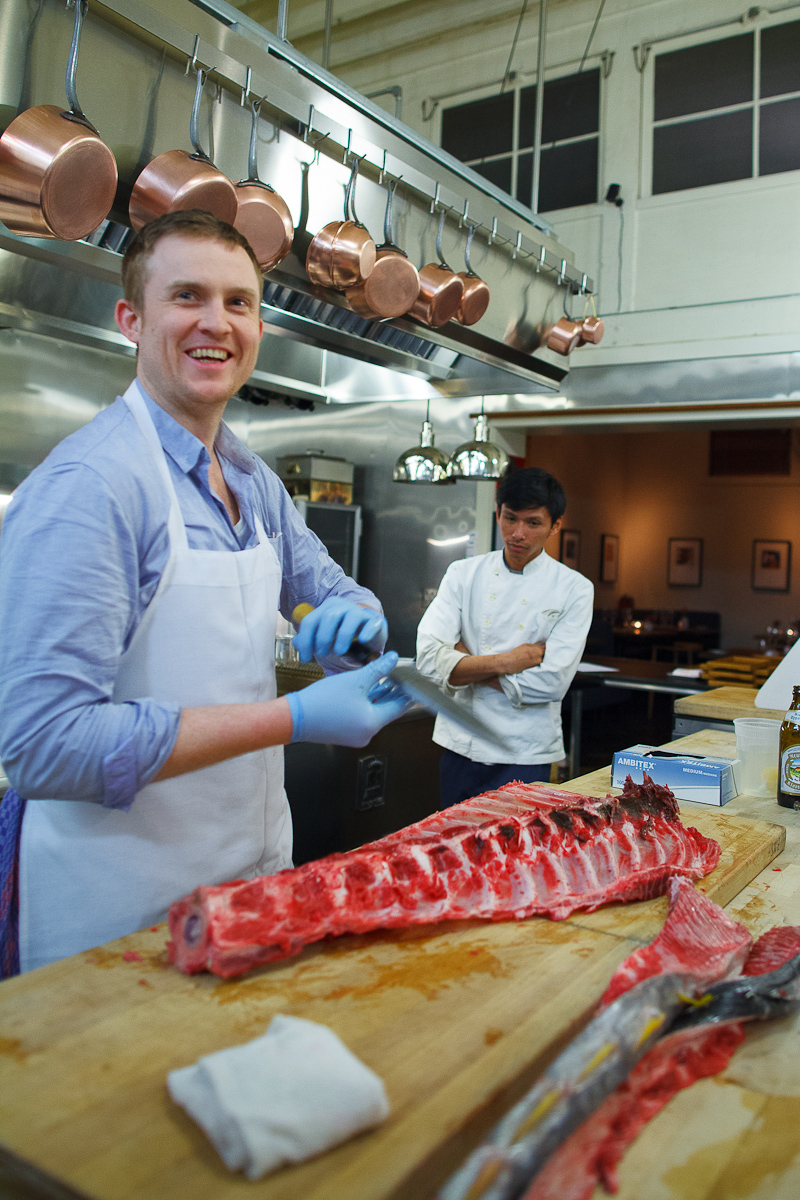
[[418, 687]]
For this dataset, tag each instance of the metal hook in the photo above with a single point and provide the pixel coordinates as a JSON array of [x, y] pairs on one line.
[[563, 271], [317, 145], [517, 245], [191, 65], [435, 199], [493, 232], [462, 220], [542, 260], [584, 280], [246, 89], [347, 148], [382, 172], [309, 123]]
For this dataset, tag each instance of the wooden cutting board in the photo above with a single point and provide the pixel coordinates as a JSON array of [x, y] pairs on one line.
[[458, 1020]]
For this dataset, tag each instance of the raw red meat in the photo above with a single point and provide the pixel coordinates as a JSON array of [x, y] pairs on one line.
[[773, 949], [522, 850], [697, 938]]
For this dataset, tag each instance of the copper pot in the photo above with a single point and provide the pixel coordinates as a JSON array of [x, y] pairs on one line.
[[393, 283], [475, 300], [58, 178], [177, 180], [261, 214], [342, 254], [592, 330], [440, 289], [564, 336]]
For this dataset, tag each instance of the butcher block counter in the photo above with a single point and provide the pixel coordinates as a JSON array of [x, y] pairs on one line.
[[458, 1019], [724, 704]]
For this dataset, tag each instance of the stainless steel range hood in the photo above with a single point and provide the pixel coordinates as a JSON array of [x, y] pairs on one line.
[[133, 84]]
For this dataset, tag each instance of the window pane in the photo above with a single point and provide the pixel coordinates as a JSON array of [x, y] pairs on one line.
[[568, 175], [779, 147], [703, 77], [696, 153], [480, 128], [780, 59], [525, 178], [571, 108], [497, 172]]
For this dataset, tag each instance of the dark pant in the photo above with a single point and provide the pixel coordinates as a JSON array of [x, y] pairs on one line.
[[460, 778]]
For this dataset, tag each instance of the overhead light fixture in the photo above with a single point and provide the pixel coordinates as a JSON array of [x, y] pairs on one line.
[[423, 463], [480, 458]]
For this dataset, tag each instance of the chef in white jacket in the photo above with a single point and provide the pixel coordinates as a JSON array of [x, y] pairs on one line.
[[504, 636]]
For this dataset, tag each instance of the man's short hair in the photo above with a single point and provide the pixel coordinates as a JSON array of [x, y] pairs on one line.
[[531, 487], [191, 223]]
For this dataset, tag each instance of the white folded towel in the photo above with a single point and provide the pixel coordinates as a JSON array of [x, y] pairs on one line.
[[284, 1097]]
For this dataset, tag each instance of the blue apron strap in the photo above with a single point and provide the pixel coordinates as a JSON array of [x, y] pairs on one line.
[[12, 808]]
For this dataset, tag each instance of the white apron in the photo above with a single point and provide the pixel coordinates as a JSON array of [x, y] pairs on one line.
[[89, 874]]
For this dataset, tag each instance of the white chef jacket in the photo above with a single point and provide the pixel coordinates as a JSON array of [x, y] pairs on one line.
[[491, 610]]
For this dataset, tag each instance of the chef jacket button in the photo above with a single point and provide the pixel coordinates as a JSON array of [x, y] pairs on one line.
[[492, 597], [496, 571], [524, 601], [488, 622], [520, 627]]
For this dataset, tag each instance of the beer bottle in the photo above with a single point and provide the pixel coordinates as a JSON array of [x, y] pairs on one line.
[[789, 769]]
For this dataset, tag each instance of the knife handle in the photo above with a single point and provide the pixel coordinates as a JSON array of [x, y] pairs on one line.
[[358, 651]]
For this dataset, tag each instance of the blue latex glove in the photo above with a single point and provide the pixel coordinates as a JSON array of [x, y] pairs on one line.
[[347, 709], [335, 625]]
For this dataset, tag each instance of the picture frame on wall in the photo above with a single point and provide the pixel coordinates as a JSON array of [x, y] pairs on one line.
[[570, 551], [685, 562], [772, 563], [609, 557]]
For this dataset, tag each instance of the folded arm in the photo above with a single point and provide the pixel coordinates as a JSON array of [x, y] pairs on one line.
[[549, 681]]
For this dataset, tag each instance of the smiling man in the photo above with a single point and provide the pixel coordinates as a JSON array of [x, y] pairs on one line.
[[504, 636], [143, 566]]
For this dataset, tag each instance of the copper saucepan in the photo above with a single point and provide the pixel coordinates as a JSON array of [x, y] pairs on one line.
[[177, 180], [475, 300], [342, 254], [440, 289], [57, 177], [354, 251], [564, 336], [393, 284], [261, 214], [592, 330]]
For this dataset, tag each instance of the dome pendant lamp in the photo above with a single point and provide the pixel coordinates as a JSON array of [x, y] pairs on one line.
[[423, 463], [480, 458]]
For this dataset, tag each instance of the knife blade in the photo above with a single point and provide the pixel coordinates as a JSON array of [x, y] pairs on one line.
[[421, 689]]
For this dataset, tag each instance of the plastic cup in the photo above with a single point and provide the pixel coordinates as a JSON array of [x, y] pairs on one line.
[[758, 742]]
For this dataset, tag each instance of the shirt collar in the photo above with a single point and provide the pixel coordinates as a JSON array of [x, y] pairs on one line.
[[531, 568], [187, 451]]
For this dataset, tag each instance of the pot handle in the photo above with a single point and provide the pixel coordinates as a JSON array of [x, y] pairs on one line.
[[439, 254], [75, 112], [194, 136], [252, 154], [388, 230], [350, 193], [467, 248]]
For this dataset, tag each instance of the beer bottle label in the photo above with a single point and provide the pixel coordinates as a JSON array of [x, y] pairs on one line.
[[790, 770]]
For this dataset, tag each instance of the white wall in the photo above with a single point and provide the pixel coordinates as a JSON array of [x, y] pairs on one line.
[[709, 272]]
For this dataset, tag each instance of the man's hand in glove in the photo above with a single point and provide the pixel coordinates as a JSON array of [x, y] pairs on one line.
[[347, 709], [335, 625]]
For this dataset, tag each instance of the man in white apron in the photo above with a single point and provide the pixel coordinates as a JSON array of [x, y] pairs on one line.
[[143, 568]]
